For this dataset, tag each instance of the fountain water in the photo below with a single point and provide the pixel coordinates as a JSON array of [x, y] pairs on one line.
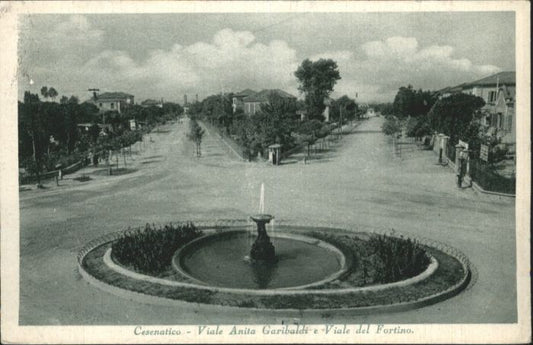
[[262, 199]]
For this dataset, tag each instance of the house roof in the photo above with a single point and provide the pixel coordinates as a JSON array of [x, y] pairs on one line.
[[114, 95], [452, 89], [263, 95], [245, 93], [502, 78], [150, 102]]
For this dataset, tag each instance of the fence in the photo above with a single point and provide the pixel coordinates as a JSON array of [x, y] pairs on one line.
[[483, 174], [450, 152]]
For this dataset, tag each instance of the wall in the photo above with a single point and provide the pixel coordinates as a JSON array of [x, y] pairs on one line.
[[251, 108]]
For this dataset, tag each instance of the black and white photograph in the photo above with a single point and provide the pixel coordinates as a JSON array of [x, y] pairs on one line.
[[265, 172]]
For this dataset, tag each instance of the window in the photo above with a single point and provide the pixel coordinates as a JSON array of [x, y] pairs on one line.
[[112, 105], [100, 105], [492, 96], [487, 120]]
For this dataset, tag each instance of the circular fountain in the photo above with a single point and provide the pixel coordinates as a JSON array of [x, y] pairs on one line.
[[296, 266]]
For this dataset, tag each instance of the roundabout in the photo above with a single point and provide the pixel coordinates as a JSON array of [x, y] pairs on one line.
[[315, 268]]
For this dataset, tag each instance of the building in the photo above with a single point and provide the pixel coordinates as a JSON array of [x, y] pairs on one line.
[[498, 91], [113, 101], [370, 112], [152, 103], [488, 88], [237, 101], [252, 103], [448, 91]]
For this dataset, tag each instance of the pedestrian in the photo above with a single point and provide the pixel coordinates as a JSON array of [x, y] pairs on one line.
[[461, 169]]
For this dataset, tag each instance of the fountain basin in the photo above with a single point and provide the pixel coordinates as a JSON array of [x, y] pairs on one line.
[[432, 285], [222, 260]]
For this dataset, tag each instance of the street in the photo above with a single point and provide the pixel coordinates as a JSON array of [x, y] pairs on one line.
[[358, 181]]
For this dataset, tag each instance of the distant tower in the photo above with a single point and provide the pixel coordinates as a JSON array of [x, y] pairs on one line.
[[196, 98], [185, 99]]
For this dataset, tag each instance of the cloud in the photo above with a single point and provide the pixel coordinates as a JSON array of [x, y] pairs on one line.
[[231, 61], [49, 51], [387, 64], [77, 30], [73, 56], [392, 48]]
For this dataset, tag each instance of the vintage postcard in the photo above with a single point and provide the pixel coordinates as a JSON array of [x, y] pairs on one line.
[[265, 172]]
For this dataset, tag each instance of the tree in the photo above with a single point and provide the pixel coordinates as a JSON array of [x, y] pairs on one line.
[[418, 127], [52, 93], [88, 112], [391, 126], [32, 124], [308, 132], [169, 107], [453, 115], [217, 109], [383, 108], [44, 92], [63, 100], [94, 133], [73, 100], [246, 135], [275, 122], [196, 134], [409, 102], [317, 80], [348, 106]]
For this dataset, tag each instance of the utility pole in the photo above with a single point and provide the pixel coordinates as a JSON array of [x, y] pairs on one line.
[[94, 91], [344, 106], [95, 97]]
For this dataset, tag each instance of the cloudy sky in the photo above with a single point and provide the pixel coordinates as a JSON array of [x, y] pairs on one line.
[[168, 55]]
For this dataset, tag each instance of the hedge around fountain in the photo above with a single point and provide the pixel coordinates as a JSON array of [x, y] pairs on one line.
[[444, 283]]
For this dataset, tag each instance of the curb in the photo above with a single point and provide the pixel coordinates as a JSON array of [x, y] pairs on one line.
[[480, 189]]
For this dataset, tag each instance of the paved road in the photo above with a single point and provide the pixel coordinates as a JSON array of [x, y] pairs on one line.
[[357, 181]]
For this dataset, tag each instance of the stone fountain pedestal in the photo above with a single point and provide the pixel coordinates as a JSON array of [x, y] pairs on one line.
[[262, 249]]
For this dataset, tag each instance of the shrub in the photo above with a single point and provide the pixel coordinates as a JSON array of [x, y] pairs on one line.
[[395, 259], [379, 259], [150, 249], [391, 126], [498, 153]]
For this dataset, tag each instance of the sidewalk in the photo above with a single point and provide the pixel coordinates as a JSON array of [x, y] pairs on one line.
[[141, 154], [319, 151]]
